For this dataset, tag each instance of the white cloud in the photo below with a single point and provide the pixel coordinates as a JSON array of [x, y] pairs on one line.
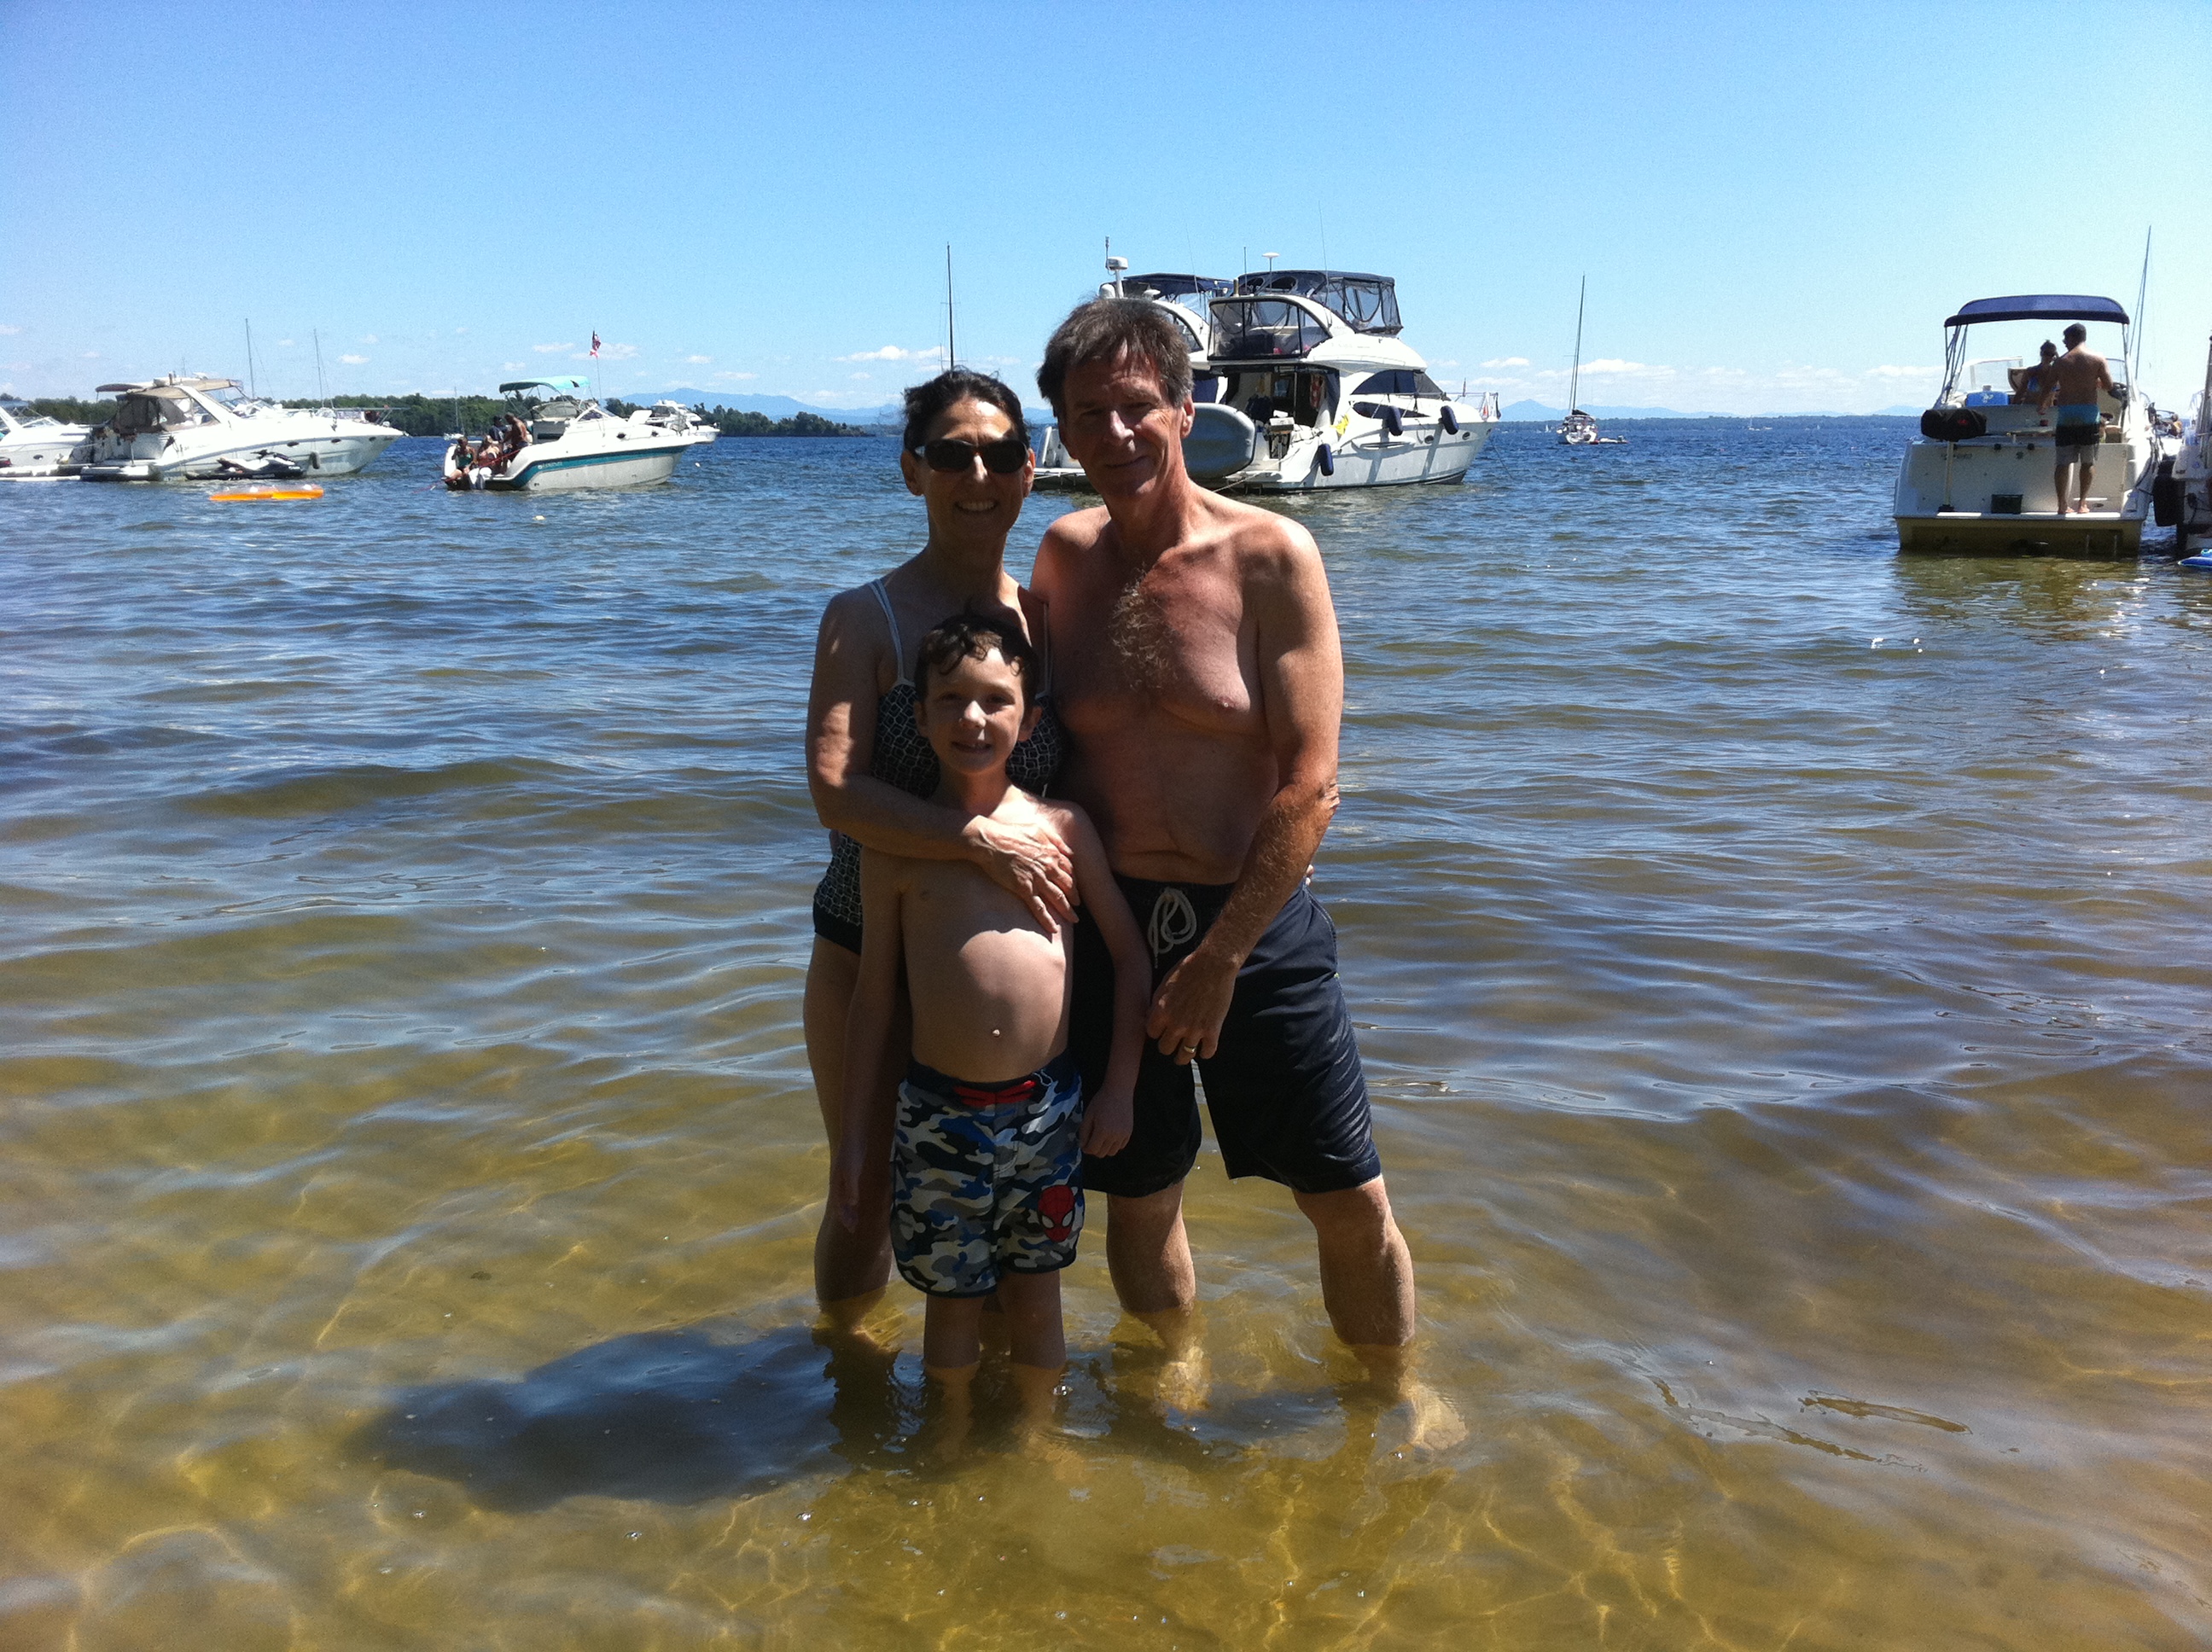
[[286, 342], [1612, 366], [353, 361], [89, 355], [513, 367], [368, 338], [458, 330], [553, 349], [737, 375], [6, 328], [698, 361], [893, 353], [1507, 361], [1900, 372]]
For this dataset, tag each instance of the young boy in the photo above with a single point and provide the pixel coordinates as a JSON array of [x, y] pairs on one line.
[[991, 1123]]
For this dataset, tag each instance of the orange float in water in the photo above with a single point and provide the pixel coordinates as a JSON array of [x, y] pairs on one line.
[[308, 490]]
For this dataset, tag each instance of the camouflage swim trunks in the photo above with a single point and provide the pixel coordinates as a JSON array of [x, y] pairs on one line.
[[983, 1177]]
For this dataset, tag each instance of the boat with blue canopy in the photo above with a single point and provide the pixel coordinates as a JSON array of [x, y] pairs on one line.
[[1981, 474]]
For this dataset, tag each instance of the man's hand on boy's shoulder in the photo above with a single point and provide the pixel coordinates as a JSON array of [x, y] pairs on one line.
[[1108, 1121]]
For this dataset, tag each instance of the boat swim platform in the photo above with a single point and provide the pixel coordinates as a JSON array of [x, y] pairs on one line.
[[2023, 533]]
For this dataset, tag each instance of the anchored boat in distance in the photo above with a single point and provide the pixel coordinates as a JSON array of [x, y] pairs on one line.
[[1979, 476], [576, 443], [32, 445], [182, 428], [1302, 384]]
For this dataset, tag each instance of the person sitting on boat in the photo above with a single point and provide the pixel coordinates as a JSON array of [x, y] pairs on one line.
[[2074, 383], [2028, 383]]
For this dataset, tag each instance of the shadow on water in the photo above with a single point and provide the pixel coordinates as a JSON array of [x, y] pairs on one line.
[[673, 1416], [683, 1417]]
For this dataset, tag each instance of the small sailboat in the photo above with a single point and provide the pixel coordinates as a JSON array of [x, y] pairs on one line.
[[1578, 429]]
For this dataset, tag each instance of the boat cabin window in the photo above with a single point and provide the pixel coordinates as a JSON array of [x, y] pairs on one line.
[[1400, 381], [1307, 396], [1255, 329]]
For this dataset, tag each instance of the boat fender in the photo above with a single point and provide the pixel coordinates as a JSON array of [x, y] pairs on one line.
[[1326, 460], [1391, 421], [1449, 419], [2165, 496]]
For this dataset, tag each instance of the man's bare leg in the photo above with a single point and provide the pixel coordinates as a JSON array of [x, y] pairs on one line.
[[1148, 1254], [1367, 1285], [851, 1266], [2081, 505]]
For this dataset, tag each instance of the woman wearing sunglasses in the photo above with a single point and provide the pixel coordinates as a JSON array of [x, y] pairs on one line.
[[966, 455]]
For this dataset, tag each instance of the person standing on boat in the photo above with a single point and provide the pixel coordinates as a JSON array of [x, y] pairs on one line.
[[1201, 681], [872, 772], [2073, 382], [2030, 381]]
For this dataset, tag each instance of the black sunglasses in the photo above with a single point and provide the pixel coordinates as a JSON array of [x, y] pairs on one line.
[[1002, 458]]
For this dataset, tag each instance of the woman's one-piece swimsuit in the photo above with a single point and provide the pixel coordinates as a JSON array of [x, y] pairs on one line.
[[902, 757]]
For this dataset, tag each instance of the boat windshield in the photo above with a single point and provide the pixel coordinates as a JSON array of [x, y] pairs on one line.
[[1262, 329], [20, 414], [1370, 303], [1400, 381]]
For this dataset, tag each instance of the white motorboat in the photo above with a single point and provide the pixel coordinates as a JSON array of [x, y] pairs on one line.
[[185, 428], [1979, 476], [576, 443], [32, 445], [2181, 492], [1578, 429], [676, 417], [1302, 384]]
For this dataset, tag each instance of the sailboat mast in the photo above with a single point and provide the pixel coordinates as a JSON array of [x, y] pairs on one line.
[[951, 359], [251, 388], [1575, 378]]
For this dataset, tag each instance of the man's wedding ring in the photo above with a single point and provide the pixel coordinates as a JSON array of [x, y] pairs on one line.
[[1190, 1049]]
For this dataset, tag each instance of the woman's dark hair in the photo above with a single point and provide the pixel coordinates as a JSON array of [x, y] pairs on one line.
[[1102, 330], [970, 636], [924, 402]]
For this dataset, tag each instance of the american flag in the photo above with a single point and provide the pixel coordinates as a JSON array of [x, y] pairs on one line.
[[595, 347]]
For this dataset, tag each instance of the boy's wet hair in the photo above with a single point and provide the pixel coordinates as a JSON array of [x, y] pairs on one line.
[[970, 636]]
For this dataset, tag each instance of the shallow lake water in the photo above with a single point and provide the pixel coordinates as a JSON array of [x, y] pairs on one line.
[[1781, 968]]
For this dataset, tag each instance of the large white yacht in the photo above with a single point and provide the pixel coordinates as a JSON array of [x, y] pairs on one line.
[[576, 443], [1979, 476], [33, 445], [185, 428], [1302, 384]]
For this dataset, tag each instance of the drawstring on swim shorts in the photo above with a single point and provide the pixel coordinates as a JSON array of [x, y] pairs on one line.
[[1174, 920]]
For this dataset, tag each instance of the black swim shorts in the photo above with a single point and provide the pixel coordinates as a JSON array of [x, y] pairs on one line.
[[1288, 1098], [2080, 435]]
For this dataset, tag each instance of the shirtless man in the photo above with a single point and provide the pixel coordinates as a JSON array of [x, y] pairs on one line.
[[2073, 381], [1200, 677]]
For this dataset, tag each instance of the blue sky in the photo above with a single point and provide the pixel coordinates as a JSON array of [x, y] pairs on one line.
[[1776, 206]]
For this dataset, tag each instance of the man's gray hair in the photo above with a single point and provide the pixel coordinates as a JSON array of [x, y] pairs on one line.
[[2075, 334], [1104, 329]]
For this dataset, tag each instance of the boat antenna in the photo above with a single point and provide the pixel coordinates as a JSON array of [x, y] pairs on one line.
[[951, 359], [1575, 378], [2142, 289], [1323, 216], [250, 388], [322, 394]]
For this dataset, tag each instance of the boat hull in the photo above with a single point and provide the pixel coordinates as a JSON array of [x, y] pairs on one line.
[[2098, 533], [146, 459], [1433, 455], [546, 470]]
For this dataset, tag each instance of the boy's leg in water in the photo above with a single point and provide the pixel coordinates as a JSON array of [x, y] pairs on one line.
[[949, 1353]]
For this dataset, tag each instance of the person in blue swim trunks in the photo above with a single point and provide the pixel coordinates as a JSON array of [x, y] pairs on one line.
[[1201, 678], [2072, 383], [989, 1128]]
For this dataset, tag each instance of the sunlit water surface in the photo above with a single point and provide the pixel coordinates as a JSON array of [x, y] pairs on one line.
[[1781, 971]]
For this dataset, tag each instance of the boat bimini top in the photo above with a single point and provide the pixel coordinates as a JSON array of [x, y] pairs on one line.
[[2025, 307], [1367, 303], [558, 387]]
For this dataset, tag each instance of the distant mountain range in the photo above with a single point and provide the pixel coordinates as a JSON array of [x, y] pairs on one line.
[[1537, 412]]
